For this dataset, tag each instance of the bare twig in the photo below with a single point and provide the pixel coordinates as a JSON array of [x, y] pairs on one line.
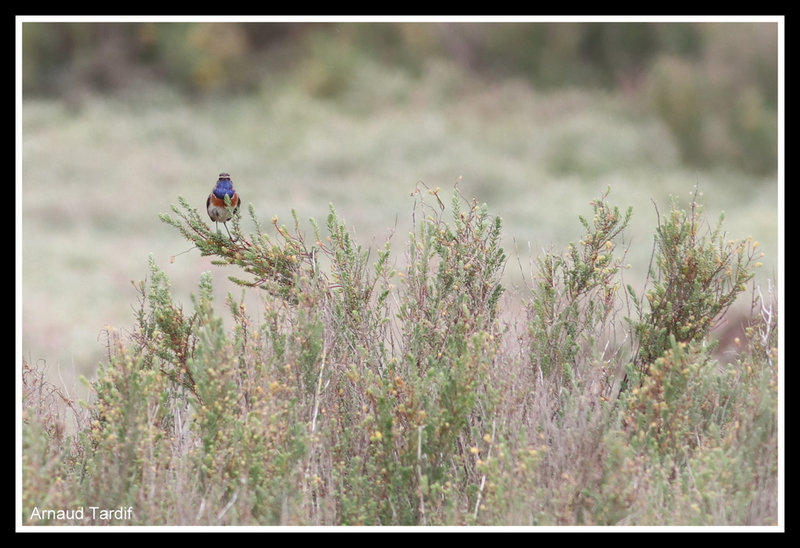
[[483, 477]]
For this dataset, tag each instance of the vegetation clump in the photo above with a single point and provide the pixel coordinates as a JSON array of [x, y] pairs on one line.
[[369, 393]]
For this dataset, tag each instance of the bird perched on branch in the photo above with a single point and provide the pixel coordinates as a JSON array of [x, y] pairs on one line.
[[215, 204]]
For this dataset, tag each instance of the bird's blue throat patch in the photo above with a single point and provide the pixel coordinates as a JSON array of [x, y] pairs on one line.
[[223, 188]]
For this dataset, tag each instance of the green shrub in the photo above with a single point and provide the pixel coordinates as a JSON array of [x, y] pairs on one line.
[[574, 297], [698, 275]]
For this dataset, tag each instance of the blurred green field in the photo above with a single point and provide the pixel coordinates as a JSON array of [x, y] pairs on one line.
[[98, 170]]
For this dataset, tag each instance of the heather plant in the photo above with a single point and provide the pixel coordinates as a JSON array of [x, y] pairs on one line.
[[700, 441], [697, 276], [573, 302], [411, 388], [386, 391], [188, 404], [273, 265], [128, 442], [393, 390], [678, 400], [51, 449]]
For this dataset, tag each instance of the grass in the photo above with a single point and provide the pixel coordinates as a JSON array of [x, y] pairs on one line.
[[355, 433]]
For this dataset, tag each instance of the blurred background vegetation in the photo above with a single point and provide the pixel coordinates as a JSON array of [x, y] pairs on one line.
[[536, 118], [714, 85]]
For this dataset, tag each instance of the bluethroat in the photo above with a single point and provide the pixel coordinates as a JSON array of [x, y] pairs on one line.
[[215, 204]]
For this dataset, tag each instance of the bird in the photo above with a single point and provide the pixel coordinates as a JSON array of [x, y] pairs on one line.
[[215, 204]]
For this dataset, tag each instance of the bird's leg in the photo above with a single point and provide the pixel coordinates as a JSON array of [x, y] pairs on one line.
[[228, 231]]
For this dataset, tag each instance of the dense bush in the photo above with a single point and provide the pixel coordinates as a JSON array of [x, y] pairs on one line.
[[369, 393]]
